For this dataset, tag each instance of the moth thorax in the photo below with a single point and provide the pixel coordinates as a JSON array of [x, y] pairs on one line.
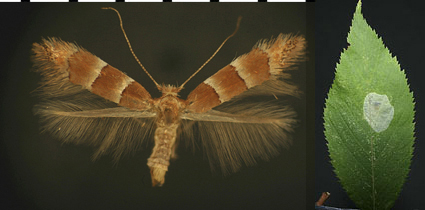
[[169, 108]]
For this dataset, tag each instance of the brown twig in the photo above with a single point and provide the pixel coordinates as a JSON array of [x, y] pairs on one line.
[[323, 198]]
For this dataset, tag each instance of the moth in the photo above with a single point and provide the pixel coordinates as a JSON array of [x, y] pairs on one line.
[[84, 100]]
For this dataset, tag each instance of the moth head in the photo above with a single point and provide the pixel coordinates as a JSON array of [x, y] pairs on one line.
[[169, 90]]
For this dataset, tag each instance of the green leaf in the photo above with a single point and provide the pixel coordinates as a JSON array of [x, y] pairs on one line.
[[369, 117]]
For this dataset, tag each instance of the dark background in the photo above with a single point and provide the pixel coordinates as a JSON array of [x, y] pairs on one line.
[[172, 40], [400, 24]]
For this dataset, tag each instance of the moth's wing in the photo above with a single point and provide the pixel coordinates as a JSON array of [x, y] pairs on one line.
[[85, 100], [238, 135], [263, 71], [69, 70], [117, 130]]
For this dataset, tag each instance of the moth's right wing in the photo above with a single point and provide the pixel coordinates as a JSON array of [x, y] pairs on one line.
[[265, 70], [240, 134], [74, 86], [234, 132]]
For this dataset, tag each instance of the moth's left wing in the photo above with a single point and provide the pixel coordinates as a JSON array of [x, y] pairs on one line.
[[69, 71], [117, 130], [87, 101]]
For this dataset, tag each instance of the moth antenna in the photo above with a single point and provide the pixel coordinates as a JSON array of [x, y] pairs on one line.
[[129, 45], [234, 32]]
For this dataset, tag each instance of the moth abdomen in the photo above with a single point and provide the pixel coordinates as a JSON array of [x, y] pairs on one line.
[[158, 162]]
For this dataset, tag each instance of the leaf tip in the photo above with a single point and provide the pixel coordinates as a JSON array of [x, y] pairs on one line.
[[359, 6]]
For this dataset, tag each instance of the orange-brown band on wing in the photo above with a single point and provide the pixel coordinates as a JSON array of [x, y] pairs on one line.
[[219, 88], [227, 83], [84, 68], [202, 99], [134, 97], [110, 83], [253, 67], [104, 80]]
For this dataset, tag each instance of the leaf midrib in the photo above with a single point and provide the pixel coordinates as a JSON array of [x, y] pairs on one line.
[[373, 172]]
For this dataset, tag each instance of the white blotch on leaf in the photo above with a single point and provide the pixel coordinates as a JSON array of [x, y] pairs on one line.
[[378, 111]]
